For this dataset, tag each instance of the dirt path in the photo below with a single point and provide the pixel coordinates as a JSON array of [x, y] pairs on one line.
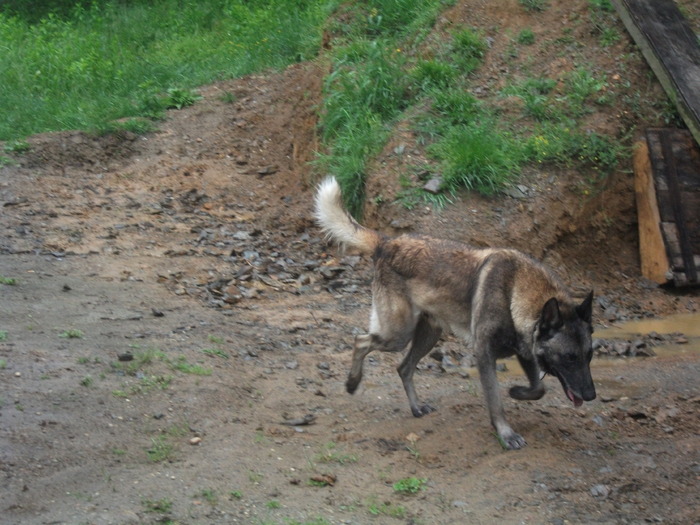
[[178, 337]]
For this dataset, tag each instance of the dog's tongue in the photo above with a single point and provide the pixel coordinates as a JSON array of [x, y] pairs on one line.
[[577, 401]]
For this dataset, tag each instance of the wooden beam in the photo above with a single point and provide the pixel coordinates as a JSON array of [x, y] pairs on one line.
[[672, 50], [652, 251]]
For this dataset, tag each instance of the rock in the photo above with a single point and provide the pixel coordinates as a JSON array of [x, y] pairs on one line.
[[195, 440], [433, 185], [600, 491]]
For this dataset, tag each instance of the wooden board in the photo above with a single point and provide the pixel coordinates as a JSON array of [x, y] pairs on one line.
[[669, 205], [672, 50], [654, 262]]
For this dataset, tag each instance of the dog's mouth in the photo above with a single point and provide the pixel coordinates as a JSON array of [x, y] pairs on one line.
[[577, 401]]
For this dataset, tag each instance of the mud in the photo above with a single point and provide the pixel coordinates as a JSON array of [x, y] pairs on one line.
[[176, 316]]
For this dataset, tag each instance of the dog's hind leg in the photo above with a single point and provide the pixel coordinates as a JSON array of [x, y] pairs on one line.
[[390, 330], [424, 338], [536, 389]]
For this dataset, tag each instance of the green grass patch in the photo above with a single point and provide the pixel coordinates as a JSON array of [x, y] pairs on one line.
[[72, 333], [409, 486], [102, 61], [8, 281]]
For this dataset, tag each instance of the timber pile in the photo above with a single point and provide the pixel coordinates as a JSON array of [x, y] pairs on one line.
[[667, 163]]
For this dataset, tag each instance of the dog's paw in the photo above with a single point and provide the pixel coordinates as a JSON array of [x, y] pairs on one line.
[[351, 384], [524, 393], [422, 410], [512, 441]]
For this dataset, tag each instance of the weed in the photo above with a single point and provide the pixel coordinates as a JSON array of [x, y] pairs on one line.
[[228, 97], [255, 477], [3, 364], [534, 5], [9, 281], [468, 48], [72, 334], [3, 335], [411, 485], [160, 449], [386, 509], [216, 339], [161, 506], [433, 73], [215, 352], [177, 98], [331, 455], [236, 494], [209, 495], [17, 146], [273, 504], [181, 365], [526, 37], [86, 381]]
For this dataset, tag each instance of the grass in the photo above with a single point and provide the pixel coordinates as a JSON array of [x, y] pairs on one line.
[[160, 450], [116, 67], [72, 333], [8, 281], [102, 61]]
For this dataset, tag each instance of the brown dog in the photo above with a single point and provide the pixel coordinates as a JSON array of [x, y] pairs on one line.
[[500, 300]]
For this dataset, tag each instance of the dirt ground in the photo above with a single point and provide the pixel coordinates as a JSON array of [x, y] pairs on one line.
[[178, 335]]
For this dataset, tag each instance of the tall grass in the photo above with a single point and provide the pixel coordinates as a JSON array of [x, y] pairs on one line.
[[107, 61]]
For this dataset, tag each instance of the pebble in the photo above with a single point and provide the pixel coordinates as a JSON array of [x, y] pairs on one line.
[[600, 491], [195, 440]]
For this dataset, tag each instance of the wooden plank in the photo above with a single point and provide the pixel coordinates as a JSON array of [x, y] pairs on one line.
[[674, 158], [654, 262], [672, 50]]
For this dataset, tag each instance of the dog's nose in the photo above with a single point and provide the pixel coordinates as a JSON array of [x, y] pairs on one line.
[[589, 394]]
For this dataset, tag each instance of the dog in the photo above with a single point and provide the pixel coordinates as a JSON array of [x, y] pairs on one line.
[[501, 300]]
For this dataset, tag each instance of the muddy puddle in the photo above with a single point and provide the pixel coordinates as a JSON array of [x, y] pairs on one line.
[[686, 324]]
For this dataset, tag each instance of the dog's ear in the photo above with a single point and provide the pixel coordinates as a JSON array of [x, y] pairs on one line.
[[585, 309], [550, 319]]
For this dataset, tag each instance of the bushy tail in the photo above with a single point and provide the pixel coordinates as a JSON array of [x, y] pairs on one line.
[[338, 224]]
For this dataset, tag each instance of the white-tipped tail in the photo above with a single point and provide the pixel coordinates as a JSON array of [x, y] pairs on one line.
[[338, 224]]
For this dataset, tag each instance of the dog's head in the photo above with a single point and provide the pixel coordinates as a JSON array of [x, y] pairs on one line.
[[563, 346]]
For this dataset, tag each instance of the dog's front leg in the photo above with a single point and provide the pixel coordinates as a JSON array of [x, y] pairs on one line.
[[487, 373], [536, 389]]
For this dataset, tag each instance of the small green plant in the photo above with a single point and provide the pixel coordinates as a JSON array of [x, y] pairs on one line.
[[3, 335], [331, 455], [216, 339], [160, 506], [181, 365], [228, 97], [3, 364], [17, 146], [236, 494], [273, 504], [411, 485], [209, 495], [87, 381], [534, 5], [526, 37], [9, 281], [386, 509], [72, 333], [215, 352], [467, 50], [178, 98], [160, 449]]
